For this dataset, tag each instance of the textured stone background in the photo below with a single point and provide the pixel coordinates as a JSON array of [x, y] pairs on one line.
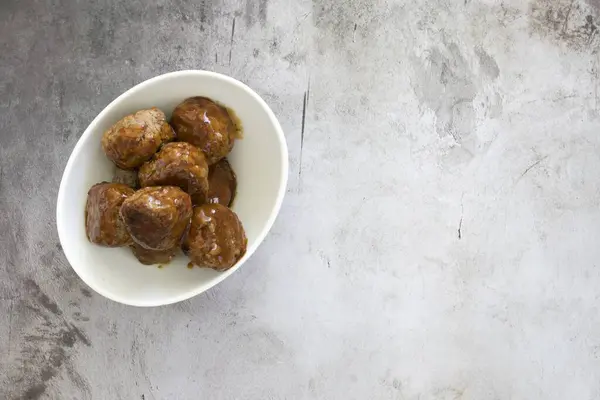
[[440, 235]]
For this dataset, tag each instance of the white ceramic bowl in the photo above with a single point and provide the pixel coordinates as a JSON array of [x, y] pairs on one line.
[[260, 161]]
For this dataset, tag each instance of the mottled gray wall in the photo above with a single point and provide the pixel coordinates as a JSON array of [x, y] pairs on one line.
[[439, 238]]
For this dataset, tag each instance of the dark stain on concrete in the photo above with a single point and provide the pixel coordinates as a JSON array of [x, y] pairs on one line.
[[41, 297], [338, 17], [207, 13], [34, 392], [77, 379], [47, 342], [202, 13], [262, 11], [274, 46], [295, 59], [255, 10], [78, 333], [47, 256], [573, 23], [77, 316], [337, 24], [446, 85], [487, 64], [594, 6]]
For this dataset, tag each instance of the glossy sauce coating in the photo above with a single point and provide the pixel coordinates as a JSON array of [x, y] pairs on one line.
[[206, 125], [222, 183], [157, 217], [237, 122], [135, 138], [216, 238], [149, 257], [103, 224], [178, 164]]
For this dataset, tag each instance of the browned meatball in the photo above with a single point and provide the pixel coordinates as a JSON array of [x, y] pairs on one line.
[[103, 224], [150, 257], [222, 183], [206, 125], [178, 164], [135, 138], [216, 238], [157, 217]]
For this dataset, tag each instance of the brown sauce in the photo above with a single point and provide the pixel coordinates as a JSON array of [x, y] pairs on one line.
[[239, 129]]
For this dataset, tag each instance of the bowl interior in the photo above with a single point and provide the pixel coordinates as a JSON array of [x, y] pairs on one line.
[[259, 160]]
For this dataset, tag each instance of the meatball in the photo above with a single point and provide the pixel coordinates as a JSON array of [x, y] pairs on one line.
[[178, 164], [222, 183], [216, 238], [150, 257], [157, 217], [135, 138], [206, 125], [103, 224]]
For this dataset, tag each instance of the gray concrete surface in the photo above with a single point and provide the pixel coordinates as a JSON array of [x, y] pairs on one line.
[[440, 235]]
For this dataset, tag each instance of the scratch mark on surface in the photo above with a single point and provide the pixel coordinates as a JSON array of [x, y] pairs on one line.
[[354, 33], [216, 58], [299, 22], [231, 44], [462, 213], [460, 226], [565, 97], [553, 100], [328, 264], [532, 166], [302, 132]]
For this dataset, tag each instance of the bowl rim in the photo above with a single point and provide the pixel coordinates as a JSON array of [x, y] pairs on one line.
[[62, 227]]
